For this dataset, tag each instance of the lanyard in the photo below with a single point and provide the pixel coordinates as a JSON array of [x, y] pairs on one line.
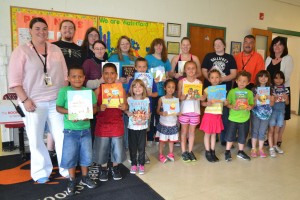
[[44, 63], [244, 65]]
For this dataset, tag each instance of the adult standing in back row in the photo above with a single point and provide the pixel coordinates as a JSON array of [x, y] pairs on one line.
[[249, 60], [279, 60], [226, 65]]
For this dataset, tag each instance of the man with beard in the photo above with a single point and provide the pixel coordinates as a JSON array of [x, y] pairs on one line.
[[70, 50], [249, 60]]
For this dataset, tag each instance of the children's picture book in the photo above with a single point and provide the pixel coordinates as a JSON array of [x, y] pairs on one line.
[[192, 90], [279, 92], [139, 110], [217, 93], [112, 95], [263, 93], [158, 73], [147, 78], [171, 106], [80, 104], [181, 66], [128, 71], [115, 63], [241, 100]]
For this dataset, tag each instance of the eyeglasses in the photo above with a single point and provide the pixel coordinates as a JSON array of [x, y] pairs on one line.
[[93, 36], [99, 49]]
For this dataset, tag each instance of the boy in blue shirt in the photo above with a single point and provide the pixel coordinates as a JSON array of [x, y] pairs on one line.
[[240, 102], [77, 145]]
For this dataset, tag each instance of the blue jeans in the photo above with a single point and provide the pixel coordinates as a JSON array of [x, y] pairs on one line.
[[241, 128], [258, 127], [77, 147], [225, 120]]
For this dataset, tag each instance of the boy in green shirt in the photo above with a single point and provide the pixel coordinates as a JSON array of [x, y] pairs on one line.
[[240, 102], [77, 145]]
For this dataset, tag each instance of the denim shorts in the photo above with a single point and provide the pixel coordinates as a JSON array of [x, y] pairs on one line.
[[77, 147], [241, 128], [105, 146], [277, 118]]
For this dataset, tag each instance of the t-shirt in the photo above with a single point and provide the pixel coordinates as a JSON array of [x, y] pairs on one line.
[[215, 108], [71, 52], [239, 116], [154, 62], [62, 101], [222, 63], [126, 61]]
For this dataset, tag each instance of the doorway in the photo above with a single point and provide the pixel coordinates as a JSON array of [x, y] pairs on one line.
[[202, 38]]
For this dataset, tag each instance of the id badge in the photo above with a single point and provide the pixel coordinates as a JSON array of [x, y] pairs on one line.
[[48, 80]]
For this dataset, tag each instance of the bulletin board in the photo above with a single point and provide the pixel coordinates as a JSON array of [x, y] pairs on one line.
[[20, 19], [141, 33]]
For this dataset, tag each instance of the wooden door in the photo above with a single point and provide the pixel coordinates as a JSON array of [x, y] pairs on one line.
[[263, 41], [202, 38]]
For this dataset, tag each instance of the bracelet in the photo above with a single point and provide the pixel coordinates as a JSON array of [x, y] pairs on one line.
[[25, 100]]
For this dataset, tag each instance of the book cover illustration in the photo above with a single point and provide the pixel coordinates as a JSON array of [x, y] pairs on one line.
[[217, 94], [128, 71], [263, 93], [112, 95], [241, 100], [279, 92], [147, 78], [192, 90], [171, 106], [115, 63], [181, 66], [139, 110], [80, 104], [158, 73]]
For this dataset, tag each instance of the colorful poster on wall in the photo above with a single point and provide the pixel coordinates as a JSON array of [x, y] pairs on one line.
[[141, 33], [20, 18]]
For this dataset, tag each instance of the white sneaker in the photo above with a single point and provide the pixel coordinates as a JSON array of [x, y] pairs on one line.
[[272, 152], [278, 150]]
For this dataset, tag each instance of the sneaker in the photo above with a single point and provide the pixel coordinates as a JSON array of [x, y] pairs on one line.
[[213, 154], [185, 157], [278, 149], [192, 157], [209, 157], [272, 152], [162, 158], [71, 189], [266, 143], [87, 181], [43, 180], [228, 156], [170, 156], [253, 153], [262, 154], [279, 144], [141, 169], [103, 176], [116, 173], [147, 159], [243, 155], [133, 169]]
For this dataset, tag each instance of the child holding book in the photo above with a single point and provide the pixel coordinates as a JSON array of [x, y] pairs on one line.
[[240, 102], [190, 110], [138, 113], [77, 144], [261, 112], [109, 130], [212, 119], [277, 118], [141, 66], [167, 129]]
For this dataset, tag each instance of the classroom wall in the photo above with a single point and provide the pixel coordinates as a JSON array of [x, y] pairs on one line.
[[238, 16]]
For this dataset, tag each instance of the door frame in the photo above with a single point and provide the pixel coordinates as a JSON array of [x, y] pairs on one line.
[[205, 26], [286, 32]]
